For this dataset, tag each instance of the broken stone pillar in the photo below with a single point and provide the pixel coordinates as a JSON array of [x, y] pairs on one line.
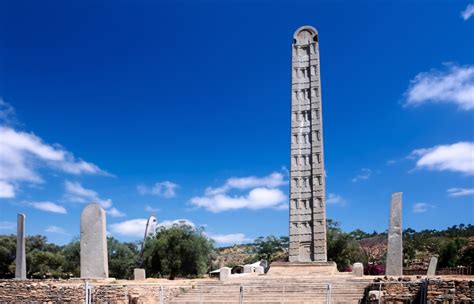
[[94, 260], [225, 273], [358, 269], [139, 274], [394, 262], [20, 259], [432, 267]]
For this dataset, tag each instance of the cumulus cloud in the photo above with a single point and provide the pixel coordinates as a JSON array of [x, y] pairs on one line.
[[454, 85], [263, 193], [467, 12], [114, 212], [458, 157], [164, 189], [229, 239], [6, 190], [421, 207], [56, 229], [23, 154], [151, 209], [136, 227], [48, 207], [6, 225], [457, 192], [335, 199], [76, 193], [364, 174]]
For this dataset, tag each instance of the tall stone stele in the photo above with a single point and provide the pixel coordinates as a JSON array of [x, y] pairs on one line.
[[20, 259], [94, 259], [307, 182], [394, 264]]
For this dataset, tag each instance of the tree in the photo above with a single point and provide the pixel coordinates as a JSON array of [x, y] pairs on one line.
[[342, 248], [123, 257], [72, 258], [177, 251], [270, 248], [7, 255]]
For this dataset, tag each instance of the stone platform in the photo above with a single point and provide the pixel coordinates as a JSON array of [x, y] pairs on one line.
[[302, 268]]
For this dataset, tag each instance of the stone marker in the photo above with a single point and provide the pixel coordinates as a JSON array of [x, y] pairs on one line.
[[20, 259], [432, 267], [139, 274], [395, 248], [94, 260], [307, 181], [225, 273], [358, 269]]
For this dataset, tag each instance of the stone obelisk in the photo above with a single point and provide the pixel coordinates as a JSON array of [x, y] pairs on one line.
[[307, 186], [20, 259], [394, 263], [94, 256]]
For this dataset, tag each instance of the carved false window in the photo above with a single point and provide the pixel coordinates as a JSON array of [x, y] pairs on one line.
[[318, 157]]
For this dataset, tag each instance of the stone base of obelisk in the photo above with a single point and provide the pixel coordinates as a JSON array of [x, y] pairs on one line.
[[302, 268]]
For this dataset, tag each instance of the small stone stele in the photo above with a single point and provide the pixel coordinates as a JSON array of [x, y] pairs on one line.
[[139, 274], [394, 245], [20, 259], [225, 273], [432, 267], [358, 269]]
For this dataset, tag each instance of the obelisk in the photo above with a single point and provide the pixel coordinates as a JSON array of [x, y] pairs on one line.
[[394, 263], [307, 186], [94, 255], [20, 259]]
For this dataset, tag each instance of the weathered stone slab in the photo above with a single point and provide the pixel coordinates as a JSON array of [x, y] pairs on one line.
[[20, 259], [225, 273], [139, 274], [94, 258], [432, 266], [302, 268], [358, 269], [394, 262]]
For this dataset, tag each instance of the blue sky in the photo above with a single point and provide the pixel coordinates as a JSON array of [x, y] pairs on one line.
[[182, 109]]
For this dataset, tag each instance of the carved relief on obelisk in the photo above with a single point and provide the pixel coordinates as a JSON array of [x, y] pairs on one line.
[[307, 182]]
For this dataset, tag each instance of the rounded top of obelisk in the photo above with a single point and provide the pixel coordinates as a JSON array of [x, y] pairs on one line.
[[305, 35]]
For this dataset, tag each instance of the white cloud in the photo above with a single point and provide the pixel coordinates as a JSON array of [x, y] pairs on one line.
[[7, 113], [5, 225], [6, 190], [364, 174], [457, 192], [151, 209], [114, 212], [335, 199], [273, 180], [136, 227], [263, 193], [454, 85], [468, 12], [49, 207], [24, 153], [76, 193], [421, 207], [165, 189], [226, 239], [56, 229], [458, 157], [257, 198]]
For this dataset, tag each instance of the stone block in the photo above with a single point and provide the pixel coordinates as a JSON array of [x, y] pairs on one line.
[[358, 269], [225, 273], [139, 274], [432, 266]]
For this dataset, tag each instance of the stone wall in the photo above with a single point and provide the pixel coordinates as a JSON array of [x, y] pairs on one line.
[[51, 291], [439, 291]]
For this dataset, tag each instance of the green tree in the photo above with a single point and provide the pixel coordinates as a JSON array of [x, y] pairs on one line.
[[123, 257], [72, 258], [342, 248], [270, 248], [177, 251], [7, 256]]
